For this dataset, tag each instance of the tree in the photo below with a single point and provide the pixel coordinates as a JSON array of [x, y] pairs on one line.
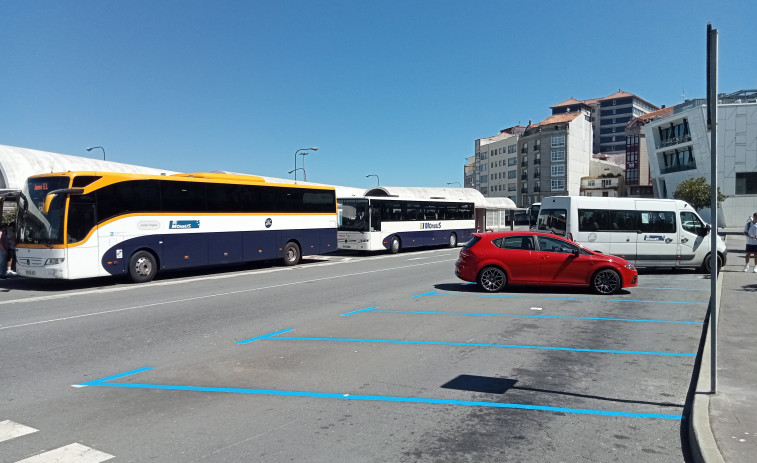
[[696, 191]]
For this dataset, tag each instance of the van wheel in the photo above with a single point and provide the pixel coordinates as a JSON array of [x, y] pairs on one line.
[[394, 247], [452, 240], [707, 264], [492, 279], [606, 281], [143, 266], [291, 254]]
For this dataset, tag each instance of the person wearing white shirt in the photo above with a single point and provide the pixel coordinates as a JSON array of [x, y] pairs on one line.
[[751, 242]]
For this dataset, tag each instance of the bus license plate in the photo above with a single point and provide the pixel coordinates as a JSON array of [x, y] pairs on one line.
[[30, 273]]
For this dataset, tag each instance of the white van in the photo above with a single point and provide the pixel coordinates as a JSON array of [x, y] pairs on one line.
[[645, 232]]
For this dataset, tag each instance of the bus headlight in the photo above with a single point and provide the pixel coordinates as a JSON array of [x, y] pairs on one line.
[[54, 261]]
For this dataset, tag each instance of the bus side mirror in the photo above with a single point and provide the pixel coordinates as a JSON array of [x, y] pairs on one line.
[[48, 200]]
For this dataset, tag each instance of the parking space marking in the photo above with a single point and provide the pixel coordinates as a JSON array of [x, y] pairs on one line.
[[437, 293], [466, 344], [72, 453], [374, 398], [467, 314]]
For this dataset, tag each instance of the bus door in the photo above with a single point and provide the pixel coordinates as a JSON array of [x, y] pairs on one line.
[[83, 243], [656, 240], [623, 234]]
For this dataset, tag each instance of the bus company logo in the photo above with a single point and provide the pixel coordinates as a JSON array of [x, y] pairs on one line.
[[429, 225], [183, 224], [654, 238], [268, 222]]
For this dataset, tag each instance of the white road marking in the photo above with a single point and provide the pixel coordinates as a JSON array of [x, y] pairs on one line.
[[346, 260], [241, 291], [73, 453], [535, 308], [10, 430]]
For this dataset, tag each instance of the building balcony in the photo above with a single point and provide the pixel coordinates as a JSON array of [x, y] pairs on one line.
[[537, 174], [524, 190], [524, 163], [537, 161], [674, 141]]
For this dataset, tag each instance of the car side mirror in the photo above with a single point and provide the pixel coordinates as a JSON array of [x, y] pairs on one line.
[[704, 231], [576, 253]]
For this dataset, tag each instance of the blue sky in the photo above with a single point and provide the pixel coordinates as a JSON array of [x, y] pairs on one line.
[[399, 89]]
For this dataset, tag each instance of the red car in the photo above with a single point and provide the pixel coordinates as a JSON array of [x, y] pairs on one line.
[[529, 258]]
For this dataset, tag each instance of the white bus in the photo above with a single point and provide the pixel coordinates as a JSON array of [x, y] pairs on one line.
[[392, 223], [90, 224], [645, 232]]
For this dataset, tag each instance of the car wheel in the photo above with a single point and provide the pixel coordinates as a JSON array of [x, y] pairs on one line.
[[394, 247], [291, 254], [452, 240], [143, 266], [606, 281], [492, 279], [707, 264]]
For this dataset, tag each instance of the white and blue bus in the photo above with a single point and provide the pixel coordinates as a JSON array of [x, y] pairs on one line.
[[392, 223], [90, 224]]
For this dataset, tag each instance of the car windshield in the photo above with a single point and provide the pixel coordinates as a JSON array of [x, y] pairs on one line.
[[34, 226]]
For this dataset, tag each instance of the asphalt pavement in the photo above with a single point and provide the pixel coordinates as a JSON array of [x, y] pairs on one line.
[[724, 421]]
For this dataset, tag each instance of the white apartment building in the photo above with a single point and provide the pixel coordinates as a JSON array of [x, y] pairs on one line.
[[494, 168], [679, 149]]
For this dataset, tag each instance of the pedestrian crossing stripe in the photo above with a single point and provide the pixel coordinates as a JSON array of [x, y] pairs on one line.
[[73, 453], [10, 430]]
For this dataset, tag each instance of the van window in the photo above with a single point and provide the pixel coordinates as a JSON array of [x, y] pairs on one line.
[[552, 220], [593, 220], [657, 221], [691, 223], [623, 221]]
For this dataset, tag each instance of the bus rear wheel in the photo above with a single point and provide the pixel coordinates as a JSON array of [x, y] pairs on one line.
[[292, 254], [143, 266], [452, 240]]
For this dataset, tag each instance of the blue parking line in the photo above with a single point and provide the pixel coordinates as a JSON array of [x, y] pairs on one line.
[[265, 336], [422, 312], [367, 309], [436, 293], [426, 294], [469, 344], [373, 398]]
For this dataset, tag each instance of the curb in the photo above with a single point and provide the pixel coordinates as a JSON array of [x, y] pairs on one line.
[[702, 442]]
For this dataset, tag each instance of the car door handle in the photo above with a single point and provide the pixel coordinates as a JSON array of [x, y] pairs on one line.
[[668, 240], [684, 240]]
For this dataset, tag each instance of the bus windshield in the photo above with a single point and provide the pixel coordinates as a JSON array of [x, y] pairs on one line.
[[36, 227], [353, 215]]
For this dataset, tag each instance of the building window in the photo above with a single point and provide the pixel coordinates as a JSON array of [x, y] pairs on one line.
[[746, 183], [558, 155], [512, 161], [512, 173], [558, 141], [511, 149], [558, 184], [558, 170]]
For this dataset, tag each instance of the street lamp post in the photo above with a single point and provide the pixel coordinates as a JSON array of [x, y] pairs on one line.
[[458, 184], [295, 160], [93, 147], [303, 172], [378, 181]]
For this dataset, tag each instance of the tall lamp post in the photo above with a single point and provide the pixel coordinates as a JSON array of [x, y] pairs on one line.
[[458, 184], [303, 172], [378, 181], [93, 147], [295, 160]]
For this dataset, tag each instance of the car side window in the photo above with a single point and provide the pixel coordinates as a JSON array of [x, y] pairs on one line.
[[525, 243], [547, 244]]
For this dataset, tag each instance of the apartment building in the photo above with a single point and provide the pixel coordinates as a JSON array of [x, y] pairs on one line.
[[609, 116], [679, 149], [638, 175], [493, 169], [553, 155]]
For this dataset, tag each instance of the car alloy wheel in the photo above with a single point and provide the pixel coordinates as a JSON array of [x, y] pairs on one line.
[[492, 279], [606, 281]]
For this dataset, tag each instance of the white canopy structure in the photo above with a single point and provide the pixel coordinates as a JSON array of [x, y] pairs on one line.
[[18, 164]]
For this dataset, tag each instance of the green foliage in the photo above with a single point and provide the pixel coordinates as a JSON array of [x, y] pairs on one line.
[[696, 191]]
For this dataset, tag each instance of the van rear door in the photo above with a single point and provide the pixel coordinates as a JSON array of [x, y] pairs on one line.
[[657, 237]]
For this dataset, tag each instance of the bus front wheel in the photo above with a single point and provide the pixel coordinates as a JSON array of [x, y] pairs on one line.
[[291, 254], [142, 267], [394, 247], [452, 240]]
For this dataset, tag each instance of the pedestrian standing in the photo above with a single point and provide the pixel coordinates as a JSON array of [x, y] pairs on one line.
[[3, 251], [751, 242], [11, 249]]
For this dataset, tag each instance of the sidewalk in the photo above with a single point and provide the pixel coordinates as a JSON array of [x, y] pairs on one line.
[[723, 426]]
